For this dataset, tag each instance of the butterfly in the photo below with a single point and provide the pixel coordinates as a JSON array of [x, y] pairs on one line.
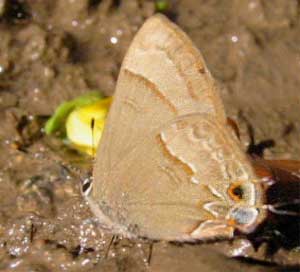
[[169, 166]]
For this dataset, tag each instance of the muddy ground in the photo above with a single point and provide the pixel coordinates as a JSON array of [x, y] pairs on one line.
[[54, 50]]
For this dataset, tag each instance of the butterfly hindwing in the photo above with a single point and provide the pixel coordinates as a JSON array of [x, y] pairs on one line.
[[162, 186]]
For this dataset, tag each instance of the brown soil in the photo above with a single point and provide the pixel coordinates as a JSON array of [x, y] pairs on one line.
[[54, 50]]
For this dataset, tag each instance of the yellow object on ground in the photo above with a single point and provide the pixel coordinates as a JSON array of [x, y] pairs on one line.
[[84, 126]]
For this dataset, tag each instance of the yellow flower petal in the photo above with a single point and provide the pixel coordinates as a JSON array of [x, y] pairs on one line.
[[79, 125]]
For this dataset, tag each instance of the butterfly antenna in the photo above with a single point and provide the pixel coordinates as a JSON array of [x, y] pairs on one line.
[[93, 136], [276, 208]]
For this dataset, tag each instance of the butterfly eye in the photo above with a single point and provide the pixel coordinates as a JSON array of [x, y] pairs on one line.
[[236, 191]]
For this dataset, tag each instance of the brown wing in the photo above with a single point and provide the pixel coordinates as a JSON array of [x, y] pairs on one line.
[[138, 186], [286, 165], [271, 168]]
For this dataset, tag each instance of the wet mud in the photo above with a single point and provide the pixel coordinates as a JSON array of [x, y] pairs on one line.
[[52, 51]]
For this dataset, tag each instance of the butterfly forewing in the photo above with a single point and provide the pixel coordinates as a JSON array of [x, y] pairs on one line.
[[169, 72]]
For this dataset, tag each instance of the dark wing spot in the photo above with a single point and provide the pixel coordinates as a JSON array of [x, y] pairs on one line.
[[236, 191]]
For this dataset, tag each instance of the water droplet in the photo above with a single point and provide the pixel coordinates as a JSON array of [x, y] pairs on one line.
[[114, 40], [234, 39]]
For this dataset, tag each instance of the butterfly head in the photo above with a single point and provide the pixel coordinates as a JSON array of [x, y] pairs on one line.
[[236, 206]]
